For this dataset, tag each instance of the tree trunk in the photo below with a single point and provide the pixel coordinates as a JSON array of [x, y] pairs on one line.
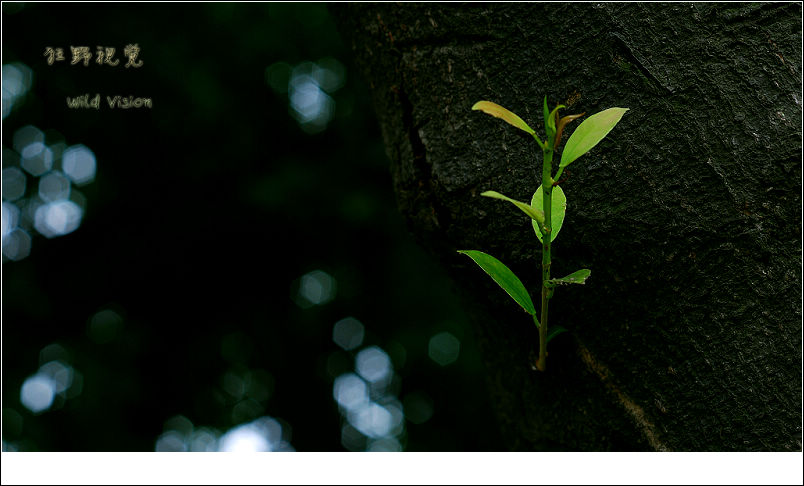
[[687, 336]]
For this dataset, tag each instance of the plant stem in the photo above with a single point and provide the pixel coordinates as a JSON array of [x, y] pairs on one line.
[[547, 192], [558, 174]]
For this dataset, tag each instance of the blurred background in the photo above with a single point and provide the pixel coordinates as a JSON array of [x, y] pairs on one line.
[[225, 270]]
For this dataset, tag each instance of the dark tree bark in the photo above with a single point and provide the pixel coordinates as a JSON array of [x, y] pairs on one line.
[[687, 336]]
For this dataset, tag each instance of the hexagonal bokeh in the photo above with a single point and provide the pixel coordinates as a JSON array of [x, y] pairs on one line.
[[16, 244], [36, 158], [57, 218], [54, 186], [17, 78], [348, 333], [78, 162], [444, 348], [13, 183], [374, 365], [316, 288]]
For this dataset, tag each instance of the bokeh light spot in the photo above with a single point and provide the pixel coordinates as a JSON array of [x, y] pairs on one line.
[[330, 74], [308, 86], [259, 385], [10, 218], [32, 150], [171, 441], [180, 424], [277, 76], [247, 409], [316, 288], [36, 158], [204, 440], [57, 218], [37, 392], [60, 373], [234, 385], [307, 90], [444, 348], [384, 445], [261, 435], [77, 385], [17, 78], [311, 106], [78, 162], [374, 365], [348, 333], [26, 136], [54, 352], [13, 184], [372, 420], [394, 406], [368, 403], [54, 186], [352, 439], [350, 391], [16, 244]]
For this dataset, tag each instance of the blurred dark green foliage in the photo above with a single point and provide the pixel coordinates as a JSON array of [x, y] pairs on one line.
[[205, 212]]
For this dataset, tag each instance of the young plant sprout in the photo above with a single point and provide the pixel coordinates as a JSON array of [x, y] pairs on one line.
[[547, 207]]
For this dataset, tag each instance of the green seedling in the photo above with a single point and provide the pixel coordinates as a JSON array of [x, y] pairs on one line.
[[547, 207]]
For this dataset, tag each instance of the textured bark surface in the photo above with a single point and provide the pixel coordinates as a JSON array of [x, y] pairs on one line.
[[687, 336]]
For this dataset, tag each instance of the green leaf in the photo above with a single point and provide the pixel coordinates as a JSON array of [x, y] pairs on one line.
[[494, 109], [555, 331], [558, 210], [551, 119], [549, 124], [534, 214], [590, 133], [504, 277], [553, 116], [578, 277]]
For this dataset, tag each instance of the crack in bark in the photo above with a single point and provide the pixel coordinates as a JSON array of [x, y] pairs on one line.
[[428, 185], [641, 64], [636, 412], [416, 144]]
